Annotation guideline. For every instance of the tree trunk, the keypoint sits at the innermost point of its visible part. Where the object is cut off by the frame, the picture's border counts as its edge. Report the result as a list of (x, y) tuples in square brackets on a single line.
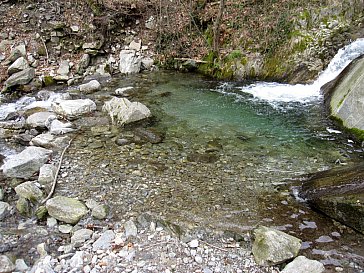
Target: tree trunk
[(217, 24)]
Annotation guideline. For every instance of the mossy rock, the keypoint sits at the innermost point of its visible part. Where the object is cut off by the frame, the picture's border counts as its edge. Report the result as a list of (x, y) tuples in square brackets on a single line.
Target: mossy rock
[(48, 80)]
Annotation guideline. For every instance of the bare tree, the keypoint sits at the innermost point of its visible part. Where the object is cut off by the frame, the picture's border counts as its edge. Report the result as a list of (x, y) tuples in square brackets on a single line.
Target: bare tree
[(217, 25)]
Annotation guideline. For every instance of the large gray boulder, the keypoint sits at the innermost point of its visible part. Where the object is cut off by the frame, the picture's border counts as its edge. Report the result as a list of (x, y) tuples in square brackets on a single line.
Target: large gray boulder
[(19, 65), (122, 111), (26, 163), (20, 78), (272, 247), (130, 62), (68, 210), (303, 265), (344, 97), (28, 190), (72, 109), (338, 193)]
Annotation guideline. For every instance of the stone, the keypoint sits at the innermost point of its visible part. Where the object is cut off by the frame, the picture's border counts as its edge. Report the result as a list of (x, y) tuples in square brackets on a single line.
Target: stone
[(64, 68), (20, 78), (83, 63), (58, 127), (129, 62), (123, 90), (90, 87), (344, 96), (122, 111), (16, 53), (5, 210), (72, 109), (6, 265), (130, 229), (100, 212), (51, 222), (272, 247), (20, 265), (29, 191), (22, 205), (147, 63), (93, 45), (80, 236), (75, 28), (135, 45), (65, 229), (19, 65), (338, 193), (303, 265), (26, 163), (40, 119), (76, 262), (41, 212), (150, 23), (105, 241), (49, 141), (68, 210), (193, 243), (43, 265), (47, 174), (148, 135)]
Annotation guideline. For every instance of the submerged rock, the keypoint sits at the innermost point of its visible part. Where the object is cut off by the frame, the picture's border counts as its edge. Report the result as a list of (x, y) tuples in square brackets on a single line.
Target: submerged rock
[(303, 265), (66, 209), (272, 247), (122, 111), (26, 163), (338, 193)]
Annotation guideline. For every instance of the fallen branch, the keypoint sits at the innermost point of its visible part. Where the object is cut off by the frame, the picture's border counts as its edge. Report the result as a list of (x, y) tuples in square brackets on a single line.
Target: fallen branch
[(188, 59), (57, 172), (210, 245), (46, 50)]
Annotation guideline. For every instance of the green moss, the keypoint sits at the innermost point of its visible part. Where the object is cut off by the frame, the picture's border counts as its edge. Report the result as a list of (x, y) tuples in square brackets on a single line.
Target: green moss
[(355, 132), (48, 80), (235, 54)]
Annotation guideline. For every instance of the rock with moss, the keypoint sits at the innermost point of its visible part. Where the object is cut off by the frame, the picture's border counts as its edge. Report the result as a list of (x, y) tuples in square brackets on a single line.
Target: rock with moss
[(68, 210), (100, 212), (41, 213), (23, 207), (272, 247), (29, 191)]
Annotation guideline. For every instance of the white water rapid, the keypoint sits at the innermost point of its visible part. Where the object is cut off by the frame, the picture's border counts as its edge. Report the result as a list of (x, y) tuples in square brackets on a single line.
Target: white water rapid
[(275, 93)]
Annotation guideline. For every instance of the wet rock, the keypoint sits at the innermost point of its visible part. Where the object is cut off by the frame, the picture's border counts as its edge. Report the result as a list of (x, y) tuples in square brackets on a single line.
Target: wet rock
[(202, 158), (90, 87), (129, 62), (148, 135), (72, 109), (122, 141), (147, 63), (66, 209), (105, 241), (20, 78), (5, 210), (26, 163), (19, 65), (123, 111), (273, 247), (122, 91), (80, 236), (303, 265), (6, 265), (338, 193), (29, 191), (20, 265), (40, 119), (100, 212)]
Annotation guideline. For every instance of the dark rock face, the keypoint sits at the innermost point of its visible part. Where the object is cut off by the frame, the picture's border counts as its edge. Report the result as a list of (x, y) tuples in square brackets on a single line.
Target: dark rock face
[(338, 193)]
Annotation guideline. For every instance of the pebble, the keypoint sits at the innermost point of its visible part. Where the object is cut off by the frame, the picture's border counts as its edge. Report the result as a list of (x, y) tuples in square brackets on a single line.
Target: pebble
[(193, 243), (65, 229)]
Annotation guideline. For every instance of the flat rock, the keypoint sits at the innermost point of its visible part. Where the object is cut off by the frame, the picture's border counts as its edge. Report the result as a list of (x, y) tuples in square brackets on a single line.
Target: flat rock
[(57, 127), (272, 247), (26, 163), (16, 53), (64, 68), (100, 212), (20, 78), (40, 119), (50, 141), (6, 265), (29, 191), (68, 210), (80, 236), (105, 241), (303, 265), (123, 111), (72, 109), (90, 87), (47, 174), (19, 65), (130, 229)]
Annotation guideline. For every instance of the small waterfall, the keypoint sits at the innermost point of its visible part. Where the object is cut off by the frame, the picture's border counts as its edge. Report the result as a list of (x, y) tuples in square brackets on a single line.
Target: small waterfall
[(275, 93)]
